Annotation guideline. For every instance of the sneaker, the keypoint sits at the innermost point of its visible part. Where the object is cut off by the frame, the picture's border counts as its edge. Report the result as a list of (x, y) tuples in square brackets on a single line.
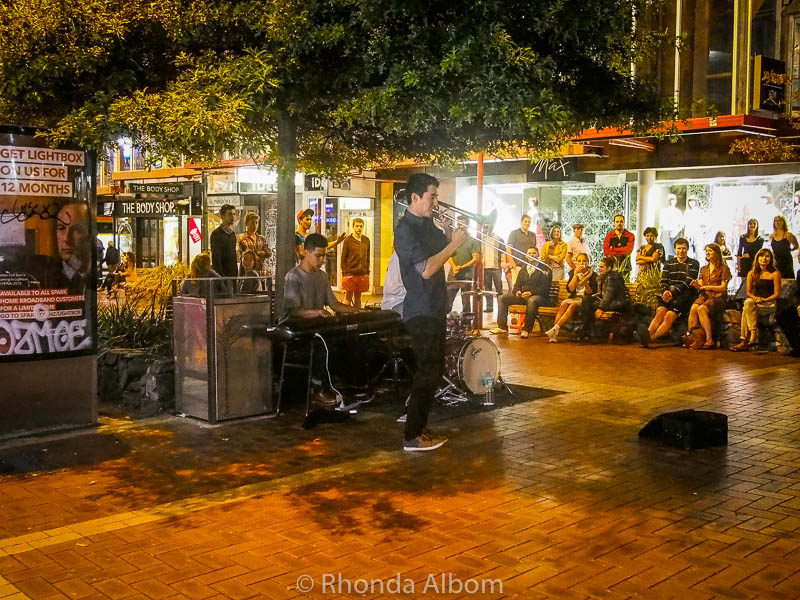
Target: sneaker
[(401, 418), (551, 333), (423, 443), (553, 340), (523, 334), (498, 331)]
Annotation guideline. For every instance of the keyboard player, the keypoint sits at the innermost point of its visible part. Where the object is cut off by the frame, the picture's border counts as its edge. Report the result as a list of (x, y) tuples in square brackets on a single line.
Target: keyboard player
[(306, 294)]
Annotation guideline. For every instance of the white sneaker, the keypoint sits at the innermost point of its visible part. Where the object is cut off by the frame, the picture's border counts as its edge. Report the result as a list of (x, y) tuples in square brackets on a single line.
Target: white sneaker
[(550, 332), (523, 334), (401, 419), (498, 331), (553, 340)]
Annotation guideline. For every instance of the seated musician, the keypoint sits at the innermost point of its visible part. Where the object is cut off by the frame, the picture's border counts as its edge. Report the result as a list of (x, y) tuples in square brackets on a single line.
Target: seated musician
[(531, 290), (306, 294)]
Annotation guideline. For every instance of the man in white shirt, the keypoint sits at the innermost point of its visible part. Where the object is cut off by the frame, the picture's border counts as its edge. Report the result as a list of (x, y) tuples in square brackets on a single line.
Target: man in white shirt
[(576, 245), (394, 292), (492, 266), (671, 221)]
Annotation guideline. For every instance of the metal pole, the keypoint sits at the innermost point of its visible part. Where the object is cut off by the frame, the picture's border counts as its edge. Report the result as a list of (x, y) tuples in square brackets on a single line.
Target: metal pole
[(477, 283)]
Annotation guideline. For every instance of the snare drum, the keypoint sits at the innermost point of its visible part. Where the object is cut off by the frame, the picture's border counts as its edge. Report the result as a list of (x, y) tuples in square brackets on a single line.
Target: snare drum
[(469, 361)]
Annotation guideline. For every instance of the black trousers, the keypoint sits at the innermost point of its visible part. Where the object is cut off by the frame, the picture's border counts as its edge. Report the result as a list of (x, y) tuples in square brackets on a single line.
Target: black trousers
[(789, 322), (428, 344)]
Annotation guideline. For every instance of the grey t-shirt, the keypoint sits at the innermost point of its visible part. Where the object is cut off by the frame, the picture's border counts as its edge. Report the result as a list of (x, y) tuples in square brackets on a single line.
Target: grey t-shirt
[(306, 291)]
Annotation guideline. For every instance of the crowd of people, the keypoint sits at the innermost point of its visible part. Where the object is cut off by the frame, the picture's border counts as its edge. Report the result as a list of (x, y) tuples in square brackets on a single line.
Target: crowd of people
[(685, 293), (433, 262)]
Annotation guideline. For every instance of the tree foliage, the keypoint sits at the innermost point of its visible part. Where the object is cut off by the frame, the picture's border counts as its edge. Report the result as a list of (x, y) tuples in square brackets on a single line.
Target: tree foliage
[(363, 81)]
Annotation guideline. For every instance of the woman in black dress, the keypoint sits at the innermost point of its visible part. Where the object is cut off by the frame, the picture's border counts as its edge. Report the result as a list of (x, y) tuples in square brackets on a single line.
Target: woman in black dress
[(749, 244), (783, 243)]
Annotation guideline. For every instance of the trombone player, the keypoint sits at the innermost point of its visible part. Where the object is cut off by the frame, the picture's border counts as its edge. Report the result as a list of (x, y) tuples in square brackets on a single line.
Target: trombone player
[(422, 250)]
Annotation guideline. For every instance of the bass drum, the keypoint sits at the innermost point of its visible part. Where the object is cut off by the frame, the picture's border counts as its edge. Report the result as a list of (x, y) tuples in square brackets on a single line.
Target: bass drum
[(469, 361)]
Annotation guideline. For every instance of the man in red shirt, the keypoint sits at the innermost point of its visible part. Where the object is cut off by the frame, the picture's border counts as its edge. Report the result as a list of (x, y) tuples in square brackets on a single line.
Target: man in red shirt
[(619, 245)]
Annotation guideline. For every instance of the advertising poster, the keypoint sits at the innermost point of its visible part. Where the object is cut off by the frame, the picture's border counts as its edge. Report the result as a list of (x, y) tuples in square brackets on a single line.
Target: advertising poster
[(47, 287)]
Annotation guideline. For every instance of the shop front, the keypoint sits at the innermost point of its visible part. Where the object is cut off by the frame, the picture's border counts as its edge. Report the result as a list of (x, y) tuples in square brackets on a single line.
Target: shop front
[(336, 204), (249, 189), (160, 223)]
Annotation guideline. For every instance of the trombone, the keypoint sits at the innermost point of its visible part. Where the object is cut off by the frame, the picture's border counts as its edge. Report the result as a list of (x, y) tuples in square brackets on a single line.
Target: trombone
[(475, 233)]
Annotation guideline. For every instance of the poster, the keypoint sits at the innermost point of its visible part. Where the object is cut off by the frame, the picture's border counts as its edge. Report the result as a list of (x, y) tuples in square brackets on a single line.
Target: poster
[(47, 285)]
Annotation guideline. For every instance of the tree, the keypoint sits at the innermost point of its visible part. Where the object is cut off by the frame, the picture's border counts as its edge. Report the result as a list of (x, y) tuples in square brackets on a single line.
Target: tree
[(326, 85)]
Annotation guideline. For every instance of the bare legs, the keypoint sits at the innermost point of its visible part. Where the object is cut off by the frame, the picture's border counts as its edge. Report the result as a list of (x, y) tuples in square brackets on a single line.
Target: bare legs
[(662, 322), (698, 315)]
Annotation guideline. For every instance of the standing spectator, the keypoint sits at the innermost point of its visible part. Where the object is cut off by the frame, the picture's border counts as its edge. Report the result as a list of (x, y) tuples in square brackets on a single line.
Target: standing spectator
[(619, 245), (304, 220), (462, 267), (671, 222), (355, 264), (492, 265), (520, 240), (677, 293), (394, 292), (693, 230), (532, 290), (112, 257), (713, 287), (576, 245), (783, 243), (651, 254), (223, 243), (554, 251), (252, 240), (100, 257), (719, 240), (248, 276), (582, 282), (749, 244), (763, 289)]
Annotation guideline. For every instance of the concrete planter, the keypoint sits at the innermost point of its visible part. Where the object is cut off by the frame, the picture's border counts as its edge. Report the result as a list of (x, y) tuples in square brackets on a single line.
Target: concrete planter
[(139, 383)]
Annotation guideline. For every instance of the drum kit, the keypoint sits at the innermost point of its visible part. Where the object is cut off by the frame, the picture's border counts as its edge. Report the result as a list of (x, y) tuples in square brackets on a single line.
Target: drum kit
[(471, 365)]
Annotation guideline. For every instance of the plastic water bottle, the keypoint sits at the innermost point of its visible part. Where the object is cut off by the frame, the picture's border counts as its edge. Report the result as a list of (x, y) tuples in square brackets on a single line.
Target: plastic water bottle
[(488, 383)]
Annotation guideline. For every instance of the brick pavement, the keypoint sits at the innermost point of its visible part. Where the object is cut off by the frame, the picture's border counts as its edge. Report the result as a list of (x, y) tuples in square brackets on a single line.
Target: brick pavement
[(555, 498)]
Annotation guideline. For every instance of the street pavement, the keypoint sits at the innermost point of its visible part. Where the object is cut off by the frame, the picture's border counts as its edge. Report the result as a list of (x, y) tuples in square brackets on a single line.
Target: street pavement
[(555, 498)]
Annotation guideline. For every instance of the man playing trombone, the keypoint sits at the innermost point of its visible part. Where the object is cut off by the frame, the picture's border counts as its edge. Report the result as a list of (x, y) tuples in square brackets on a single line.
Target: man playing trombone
[(422, 250)]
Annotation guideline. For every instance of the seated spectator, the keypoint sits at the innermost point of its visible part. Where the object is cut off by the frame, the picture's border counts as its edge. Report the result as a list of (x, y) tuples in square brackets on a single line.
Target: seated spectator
[(763, 289), (249, 283), (651, 255), (612, 295), (201, 269), (532, 289), (677, 294), (788, 313), (713, 287), (582, 282), (125, 275)]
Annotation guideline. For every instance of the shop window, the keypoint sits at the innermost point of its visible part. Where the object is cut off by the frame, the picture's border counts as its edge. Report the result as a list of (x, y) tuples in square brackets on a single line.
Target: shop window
[(719, 64), (765, 28), (795, 64)]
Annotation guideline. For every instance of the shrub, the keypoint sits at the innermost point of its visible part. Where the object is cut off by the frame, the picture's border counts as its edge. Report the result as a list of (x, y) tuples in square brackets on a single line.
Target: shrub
[(142, 321)]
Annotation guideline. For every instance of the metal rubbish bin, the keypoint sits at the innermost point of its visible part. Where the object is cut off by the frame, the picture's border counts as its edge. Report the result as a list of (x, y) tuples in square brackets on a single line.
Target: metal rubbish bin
[(222, 370)]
